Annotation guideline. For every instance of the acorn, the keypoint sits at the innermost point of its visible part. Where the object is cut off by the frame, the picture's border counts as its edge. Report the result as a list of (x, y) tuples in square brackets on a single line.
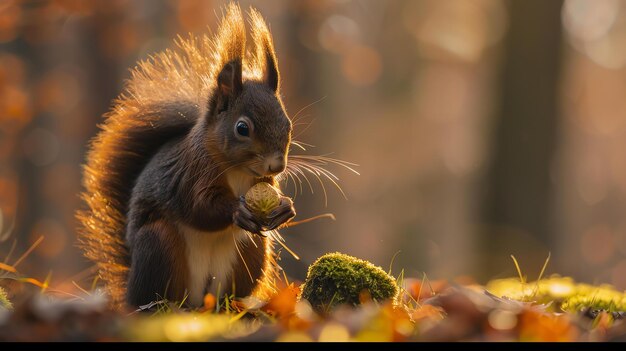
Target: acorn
[(262, 199)]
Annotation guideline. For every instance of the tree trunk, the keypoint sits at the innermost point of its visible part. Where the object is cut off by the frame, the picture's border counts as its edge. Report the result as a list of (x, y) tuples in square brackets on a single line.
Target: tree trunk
[(516, 208)]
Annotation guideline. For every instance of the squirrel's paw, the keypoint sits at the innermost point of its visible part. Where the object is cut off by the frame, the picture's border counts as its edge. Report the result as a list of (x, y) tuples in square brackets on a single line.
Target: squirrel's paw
[(282, 214), (245, 218), (248, 220)]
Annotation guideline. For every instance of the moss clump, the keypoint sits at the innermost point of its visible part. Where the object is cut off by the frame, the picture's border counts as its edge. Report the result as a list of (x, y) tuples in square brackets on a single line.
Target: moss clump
[(562, 293), (4, 300), (337, 279)]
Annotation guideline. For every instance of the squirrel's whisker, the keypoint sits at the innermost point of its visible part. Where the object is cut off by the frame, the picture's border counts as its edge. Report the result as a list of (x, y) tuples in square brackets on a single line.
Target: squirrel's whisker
[(295, 118), (299, 145), (324, 159), (315, 173), (329, 175), (296, 169), (304, 129), (314, 165), (295, 174), (295, 185)]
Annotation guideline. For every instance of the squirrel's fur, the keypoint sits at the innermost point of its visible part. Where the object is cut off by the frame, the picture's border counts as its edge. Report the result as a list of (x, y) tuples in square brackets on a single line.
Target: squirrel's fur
[(134, 130)]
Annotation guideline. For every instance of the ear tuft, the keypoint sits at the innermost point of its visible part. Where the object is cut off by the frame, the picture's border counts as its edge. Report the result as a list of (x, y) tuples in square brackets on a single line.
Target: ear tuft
[(229, 82), (228, 48), (265, 56)]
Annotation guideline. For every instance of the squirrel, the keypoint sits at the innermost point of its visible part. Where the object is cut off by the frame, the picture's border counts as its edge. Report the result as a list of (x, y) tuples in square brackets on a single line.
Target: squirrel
[(194, 129)]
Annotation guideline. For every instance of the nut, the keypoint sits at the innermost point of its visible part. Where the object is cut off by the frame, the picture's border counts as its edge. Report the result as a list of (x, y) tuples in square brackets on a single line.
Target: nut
[(263, 198)]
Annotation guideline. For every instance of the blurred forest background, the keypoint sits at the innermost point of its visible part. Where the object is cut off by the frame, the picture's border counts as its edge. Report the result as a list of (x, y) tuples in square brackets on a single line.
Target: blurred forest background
[(482, 128)]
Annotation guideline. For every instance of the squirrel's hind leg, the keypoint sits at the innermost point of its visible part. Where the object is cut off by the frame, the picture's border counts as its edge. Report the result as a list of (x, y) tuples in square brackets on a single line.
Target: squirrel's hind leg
[(158, 268)]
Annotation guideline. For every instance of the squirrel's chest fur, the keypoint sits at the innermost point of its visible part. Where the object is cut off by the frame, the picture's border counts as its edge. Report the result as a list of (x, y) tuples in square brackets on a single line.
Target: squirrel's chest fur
[(211, 256)]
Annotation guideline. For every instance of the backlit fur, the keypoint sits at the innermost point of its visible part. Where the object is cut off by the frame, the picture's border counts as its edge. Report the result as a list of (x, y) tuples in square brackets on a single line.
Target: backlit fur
[(167, 97)]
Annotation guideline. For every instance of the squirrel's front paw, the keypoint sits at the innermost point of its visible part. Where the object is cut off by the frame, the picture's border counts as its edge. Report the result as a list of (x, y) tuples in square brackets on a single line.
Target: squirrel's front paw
[(245, 218), (282, 214)]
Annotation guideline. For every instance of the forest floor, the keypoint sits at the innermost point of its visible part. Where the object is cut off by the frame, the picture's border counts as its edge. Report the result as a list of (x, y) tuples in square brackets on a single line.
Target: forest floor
[(550, 309)]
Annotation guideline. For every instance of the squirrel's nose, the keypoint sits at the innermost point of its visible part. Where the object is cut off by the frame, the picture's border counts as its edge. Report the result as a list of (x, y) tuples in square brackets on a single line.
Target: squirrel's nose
[(275, 164)]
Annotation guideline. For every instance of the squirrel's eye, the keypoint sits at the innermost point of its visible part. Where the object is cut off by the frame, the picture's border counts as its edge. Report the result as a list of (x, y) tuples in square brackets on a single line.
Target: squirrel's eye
[(242, 129)]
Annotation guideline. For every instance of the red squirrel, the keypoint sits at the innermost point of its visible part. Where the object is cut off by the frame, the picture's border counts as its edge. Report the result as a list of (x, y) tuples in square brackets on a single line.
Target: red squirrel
[(195, 128)]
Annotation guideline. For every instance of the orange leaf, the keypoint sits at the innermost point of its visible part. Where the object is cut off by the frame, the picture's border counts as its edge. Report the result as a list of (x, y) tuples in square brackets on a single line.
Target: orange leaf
[(284, 302), (539, 326), (209, 301)]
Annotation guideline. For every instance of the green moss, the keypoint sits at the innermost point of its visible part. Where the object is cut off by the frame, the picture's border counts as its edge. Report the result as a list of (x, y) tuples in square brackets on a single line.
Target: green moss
[(4, 300), (602, 297), (562, 293), (337, 279)]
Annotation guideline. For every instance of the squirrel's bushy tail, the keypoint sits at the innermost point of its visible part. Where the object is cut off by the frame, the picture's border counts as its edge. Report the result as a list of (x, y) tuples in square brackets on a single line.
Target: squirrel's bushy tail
[(161, 101), (117, 156)]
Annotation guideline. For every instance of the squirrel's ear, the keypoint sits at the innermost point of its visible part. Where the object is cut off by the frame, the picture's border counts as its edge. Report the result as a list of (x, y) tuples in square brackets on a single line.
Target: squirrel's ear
[(229, 84), (271, 76)]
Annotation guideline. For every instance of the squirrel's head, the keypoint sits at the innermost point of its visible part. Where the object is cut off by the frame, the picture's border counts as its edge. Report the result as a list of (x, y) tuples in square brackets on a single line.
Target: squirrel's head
[(248, 120), (248, 126)]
